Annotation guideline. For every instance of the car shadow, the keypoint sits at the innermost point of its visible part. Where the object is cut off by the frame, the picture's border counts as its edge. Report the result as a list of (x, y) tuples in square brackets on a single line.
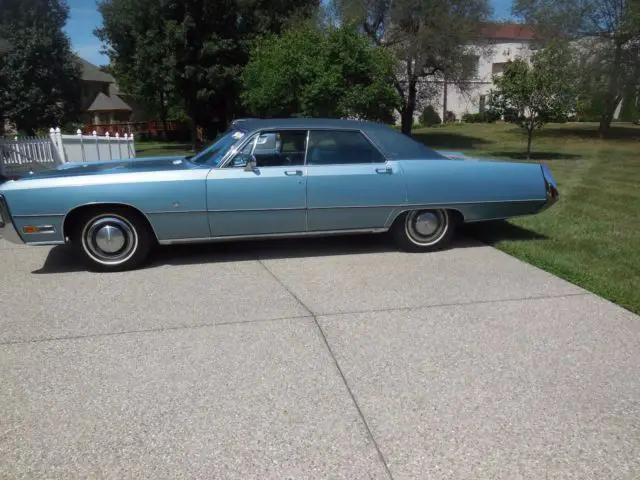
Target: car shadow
[(62, 259), (496, 231)]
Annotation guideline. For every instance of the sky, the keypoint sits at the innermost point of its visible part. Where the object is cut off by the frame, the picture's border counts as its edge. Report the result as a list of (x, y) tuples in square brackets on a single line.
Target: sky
[(84, 18)]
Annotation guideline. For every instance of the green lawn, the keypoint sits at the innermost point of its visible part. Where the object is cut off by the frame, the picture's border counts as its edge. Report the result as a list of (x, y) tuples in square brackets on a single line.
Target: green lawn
[(591, 237), (154, 149)]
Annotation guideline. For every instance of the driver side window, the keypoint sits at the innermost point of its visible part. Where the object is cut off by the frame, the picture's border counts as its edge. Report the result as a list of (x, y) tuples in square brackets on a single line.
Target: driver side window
[(282, 148)]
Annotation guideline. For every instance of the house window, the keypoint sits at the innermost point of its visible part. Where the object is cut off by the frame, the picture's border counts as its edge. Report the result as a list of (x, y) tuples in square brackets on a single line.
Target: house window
[(498, 68), (475, 66)]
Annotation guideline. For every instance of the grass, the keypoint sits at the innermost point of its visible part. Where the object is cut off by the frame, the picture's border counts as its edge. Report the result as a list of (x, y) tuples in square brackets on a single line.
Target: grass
[(157, 149), (591, 237)]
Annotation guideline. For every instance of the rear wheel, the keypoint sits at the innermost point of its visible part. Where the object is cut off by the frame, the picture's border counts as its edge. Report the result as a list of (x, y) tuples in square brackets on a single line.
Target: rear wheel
[(424, 230), (113, 240)]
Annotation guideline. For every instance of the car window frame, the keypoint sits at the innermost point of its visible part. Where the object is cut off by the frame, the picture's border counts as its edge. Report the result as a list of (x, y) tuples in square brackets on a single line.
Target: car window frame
[(252, 136), (384, 158)]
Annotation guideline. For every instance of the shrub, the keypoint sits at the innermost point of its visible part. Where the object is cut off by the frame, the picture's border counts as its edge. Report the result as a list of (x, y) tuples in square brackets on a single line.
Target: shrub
[(450, 117), (430, 117), (489, 116)]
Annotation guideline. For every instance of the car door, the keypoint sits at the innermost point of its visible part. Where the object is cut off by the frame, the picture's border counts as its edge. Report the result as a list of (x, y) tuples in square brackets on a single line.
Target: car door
[(268, 199), (350, 184)]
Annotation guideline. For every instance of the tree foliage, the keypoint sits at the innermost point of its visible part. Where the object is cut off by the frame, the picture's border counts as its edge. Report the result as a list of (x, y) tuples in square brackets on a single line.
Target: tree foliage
[(607, 34), (39, 75), (427, 37), (308, 71), (537, 93), (192, 50)]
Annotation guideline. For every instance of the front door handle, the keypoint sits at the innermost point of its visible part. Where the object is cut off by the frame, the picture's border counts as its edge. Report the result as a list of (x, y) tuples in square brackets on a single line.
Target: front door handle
[(383, 171), (291, 173)]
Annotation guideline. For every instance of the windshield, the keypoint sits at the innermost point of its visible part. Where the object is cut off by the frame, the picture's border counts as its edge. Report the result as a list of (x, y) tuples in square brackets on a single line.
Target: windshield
[(215, 152)]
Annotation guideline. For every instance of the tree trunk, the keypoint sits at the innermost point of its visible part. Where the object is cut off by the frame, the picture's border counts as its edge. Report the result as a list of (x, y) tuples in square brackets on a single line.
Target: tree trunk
[(409, 107), (444, 102), (612, 96), (193, 127), (607, 116), (529, 140), (163, 115)]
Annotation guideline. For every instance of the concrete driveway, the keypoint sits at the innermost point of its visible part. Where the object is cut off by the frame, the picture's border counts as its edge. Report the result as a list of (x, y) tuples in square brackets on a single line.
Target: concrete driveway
[(333, 358)]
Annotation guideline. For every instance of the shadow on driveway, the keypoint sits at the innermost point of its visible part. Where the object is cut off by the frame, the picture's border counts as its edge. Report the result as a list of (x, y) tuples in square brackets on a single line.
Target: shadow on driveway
[(61, 259)]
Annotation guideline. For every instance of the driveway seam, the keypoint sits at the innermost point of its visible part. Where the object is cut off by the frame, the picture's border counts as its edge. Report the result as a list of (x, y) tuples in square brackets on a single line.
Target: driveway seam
[(457, 304), (152, 330), (311, 314), (338, 368)]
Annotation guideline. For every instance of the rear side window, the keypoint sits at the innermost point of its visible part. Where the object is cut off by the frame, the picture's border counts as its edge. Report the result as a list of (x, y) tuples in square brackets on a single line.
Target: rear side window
[(340, 147)]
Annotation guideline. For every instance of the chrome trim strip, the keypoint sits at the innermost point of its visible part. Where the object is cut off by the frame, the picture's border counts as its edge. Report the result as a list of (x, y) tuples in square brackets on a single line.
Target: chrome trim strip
[(317, 233), (7, 228), (52, 215), (241, 210), (45, 244), (176, 211)]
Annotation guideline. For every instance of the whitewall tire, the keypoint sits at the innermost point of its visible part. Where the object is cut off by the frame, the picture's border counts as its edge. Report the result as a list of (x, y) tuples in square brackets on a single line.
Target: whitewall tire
[(113, 240), (424, 230)]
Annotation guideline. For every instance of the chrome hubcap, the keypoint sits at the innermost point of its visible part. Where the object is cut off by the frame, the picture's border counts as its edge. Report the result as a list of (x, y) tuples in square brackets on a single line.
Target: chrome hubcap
[(110, 240), (426, 223), (427, 227)]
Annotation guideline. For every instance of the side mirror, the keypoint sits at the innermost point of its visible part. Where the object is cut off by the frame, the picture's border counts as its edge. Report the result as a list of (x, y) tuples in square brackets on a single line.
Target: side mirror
[(250, 165), (245, 161)]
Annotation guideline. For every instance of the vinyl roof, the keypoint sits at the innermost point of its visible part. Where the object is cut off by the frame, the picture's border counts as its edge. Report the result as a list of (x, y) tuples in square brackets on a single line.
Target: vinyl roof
[(394, 144)]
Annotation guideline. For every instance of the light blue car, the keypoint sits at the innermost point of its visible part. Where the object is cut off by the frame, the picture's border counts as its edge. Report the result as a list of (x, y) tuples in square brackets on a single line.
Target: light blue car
[(264, 179)]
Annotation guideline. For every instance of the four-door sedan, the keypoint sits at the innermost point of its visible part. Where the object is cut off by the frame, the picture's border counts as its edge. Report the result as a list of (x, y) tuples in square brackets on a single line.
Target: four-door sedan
[(265, 179)]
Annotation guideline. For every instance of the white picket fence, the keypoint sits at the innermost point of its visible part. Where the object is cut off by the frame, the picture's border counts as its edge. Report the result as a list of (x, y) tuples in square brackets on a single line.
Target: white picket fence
[(21, 155)]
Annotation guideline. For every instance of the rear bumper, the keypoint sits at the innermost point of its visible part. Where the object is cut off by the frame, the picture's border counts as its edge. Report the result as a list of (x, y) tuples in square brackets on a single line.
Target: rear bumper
[(551, 186), (7, 228)]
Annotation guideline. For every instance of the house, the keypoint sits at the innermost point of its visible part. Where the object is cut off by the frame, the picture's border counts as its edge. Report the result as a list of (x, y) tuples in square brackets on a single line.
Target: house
[(100, 100), (496, 45)]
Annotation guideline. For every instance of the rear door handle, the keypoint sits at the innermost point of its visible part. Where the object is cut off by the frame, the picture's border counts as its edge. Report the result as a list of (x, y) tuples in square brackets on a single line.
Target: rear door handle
[(383, 171), (291, 173)]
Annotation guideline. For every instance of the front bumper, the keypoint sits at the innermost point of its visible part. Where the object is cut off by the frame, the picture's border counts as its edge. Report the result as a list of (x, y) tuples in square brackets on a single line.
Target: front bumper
[(7, 228)]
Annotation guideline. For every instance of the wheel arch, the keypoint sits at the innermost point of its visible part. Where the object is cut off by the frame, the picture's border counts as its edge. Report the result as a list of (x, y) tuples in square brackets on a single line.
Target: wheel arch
[(75, 214)]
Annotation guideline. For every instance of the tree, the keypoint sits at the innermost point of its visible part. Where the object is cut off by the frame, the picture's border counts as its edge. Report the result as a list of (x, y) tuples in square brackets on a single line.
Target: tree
[(427, 37), (308, 71), (607, 33), (537, 93), (39, 75), (192, 50), (139, 48)]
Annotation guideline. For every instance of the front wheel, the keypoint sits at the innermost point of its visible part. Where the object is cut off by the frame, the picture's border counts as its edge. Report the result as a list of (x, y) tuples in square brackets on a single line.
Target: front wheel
[(113, 241), (423, 230)]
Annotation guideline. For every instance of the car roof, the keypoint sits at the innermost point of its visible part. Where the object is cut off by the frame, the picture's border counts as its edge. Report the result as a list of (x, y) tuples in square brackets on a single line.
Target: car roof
[(394, 144), (302, 122)]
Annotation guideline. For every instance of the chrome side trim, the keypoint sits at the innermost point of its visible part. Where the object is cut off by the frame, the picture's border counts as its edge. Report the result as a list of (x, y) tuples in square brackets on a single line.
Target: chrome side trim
[(241, 210), (46, 244), (7, 228), (318, 233), (52, 215), (167, 212)]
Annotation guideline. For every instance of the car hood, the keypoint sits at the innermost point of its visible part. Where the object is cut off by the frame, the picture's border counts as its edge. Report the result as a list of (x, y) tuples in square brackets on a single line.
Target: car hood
[(149, 164)]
